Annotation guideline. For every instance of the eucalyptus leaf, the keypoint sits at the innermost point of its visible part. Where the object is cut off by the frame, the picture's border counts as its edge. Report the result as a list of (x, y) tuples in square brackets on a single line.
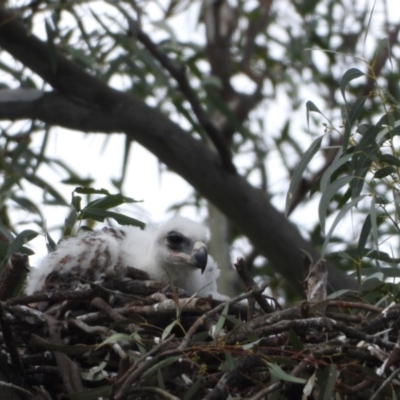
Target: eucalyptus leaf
[(348, 76), (280, 374), (19, 241), (298, 172)]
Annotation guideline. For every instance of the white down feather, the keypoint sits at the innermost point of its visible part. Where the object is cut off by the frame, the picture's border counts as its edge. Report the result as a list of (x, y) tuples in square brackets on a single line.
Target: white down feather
[(110, 250)]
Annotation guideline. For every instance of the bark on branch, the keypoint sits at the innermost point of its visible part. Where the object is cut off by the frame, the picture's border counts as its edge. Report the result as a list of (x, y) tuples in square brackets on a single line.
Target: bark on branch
[(82, 102)]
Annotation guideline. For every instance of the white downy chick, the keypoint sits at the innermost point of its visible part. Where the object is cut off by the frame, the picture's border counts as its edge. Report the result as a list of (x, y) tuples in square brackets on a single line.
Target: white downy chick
[(172, 252)]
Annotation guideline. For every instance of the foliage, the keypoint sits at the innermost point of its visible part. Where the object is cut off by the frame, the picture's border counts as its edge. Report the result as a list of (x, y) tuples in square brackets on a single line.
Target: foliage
[(232, 83), (363, 179)]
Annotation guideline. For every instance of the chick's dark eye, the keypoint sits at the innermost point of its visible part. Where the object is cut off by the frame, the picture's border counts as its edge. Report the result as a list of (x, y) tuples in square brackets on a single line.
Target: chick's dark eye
[(175, 239)]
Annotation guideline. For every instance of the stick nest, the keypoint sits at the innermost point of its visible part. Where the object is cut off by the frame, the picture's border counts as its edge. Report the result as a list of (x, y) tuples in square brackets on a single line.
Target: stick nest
[(140, 339)]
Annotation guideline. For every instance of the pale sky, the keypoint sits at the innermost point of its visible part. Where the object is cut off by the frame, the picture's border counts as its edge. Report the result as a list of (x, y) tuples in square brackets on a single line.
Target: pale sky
[(90, 157)]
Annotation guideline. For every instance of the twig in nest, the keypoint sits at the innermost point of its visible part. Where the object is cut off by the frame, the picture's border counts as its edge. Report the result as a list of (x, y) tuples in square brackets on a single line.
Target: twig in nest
[(250, 285), (19, 389), (68, 369), (200, 321), (154, 390), (16, 267), (387, 381), (135, 371), (11, 345), (269, 389)]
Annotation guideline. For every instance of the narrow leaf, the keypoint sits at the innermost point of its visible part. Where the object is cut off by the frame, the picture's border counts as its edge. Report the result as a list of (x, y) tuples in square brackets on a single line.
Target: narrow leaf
[(355, 111), (20, 240), (338, 218), (337, 163), (389, 159), (280, 374), (365, 231), (298, 172), (109, 201), (348, 76), (385, 171), (327, 196), (311, 107), (100, 215)]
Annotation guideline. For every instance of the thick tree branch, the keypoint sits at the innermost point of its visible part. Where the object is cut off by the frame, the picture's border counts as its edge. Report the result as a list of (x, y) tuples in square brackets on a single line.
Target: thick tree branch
[(179, 74), (87, 104)]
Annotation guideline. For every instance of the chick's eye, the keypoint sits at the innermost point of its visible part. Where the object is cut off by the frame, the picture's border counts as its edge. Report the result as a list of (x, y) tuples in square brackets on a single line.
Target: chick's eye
[(175, 239)]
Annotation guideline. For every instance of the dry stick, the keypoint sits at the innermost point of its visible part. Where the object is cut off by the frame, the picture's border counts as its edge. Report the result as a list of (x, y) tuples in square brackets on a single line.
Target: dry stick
[(24, 392), (54, 297), (178, 73), (68, 369), (200, 321), (129, 377), (156, 391), (386, 382), (10, 343), (12, 273), (269, 389), (100, 304), (249, 283), (360, 306)]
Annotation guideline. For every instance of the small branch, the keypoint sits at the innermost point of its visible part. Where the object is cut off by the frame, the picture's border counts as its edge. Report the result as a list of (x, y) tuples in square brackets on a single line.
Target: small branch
[(137, 370), (11, 345), (68, 369), (269, 389), (249, 284), (200, 321), (157, 391), (393, 375), (19, 389), (178, 73)]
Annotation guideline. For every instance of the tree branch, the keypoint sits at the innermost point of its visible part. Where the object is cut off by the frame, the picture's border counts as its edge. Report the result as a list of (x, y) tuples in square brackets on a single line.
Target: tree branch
[(179, 74), (87, 104)]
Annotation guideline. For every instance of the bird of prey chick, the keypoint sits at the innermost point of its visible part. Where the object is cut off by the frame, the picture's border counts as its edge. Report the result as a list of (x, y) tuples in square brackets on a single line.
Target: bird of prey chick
[(172, 252)]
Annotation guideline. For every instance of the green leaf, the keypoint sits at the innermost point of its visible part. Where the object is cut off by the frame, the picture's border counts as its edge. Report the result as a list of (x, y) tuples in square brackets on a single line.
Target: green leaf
[(20, 240), (116, 338), (4, 250), (374, 224), (327, 382), (337, 163), (349, 75), (194, 388), (311, 107), (162, 364), (338, 218), (109, 201), (298, 172), (221, 320), (282, 375), (295, 341), (389, 159), (364, 234), (88, 190), (168, 329), (99, 215), (385, 171), (327, 196), (396, 197), (352, 117)]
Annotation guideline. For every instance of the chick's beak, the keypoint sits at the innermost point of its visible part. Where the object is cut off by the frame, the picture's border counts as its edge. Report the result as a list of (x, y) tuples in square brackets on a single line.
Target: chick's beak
[(199, 256)]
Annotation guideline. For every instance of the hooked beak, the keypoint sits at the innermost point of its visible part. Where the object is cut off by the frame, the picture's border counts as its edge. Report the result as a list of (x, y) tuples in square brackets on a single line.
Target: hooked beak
[(199, 256)]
